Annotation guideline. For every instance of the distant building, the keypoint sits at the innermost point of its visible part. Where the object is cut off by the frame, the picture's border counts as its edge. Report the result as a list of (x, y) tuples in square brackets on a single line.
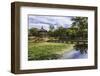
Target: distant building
[(42, 32)]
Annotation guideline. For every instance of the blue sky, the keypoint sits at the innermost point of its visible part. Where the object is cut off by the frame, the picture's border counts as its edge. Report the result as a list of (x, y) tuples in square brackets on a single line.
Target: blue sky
[(38, 21)]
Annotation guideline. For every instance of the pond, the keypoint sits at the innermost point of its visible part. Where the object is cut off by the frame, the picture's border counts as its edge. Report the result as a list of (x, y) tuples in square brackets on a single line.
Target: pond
[(74, 54)]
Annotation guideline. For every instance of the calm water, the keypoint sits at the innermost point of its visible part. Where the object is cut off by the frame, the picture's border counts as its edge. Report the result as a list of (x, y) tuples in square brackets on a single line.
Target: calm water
[(73, 54)]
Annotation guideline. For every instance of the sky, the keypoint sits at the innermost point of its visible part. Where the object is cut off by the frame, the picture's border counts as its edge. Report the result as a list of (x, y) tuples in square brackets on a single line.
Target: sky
[(38, 21)]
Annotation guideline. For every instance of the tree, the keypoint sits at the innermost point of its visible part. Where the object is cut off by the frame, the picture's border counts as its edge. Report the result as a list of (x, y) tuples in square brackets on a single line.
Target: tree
[(51, 27), (71, 33), (60, 33), (33, 31), (51, 31), (81, 23)]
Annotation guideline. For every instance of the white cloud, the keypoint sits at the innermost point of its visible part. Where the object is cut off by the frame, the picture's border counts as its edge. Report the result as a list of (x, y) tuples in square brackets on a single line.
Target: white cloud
[(46, 21)]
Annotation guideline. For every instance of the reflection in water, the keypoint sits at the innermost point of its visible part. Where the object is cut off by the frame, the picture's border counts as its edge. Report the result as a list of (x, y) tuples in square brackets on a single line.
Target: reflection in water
[(73, 54), (81, 47), (79, 52)]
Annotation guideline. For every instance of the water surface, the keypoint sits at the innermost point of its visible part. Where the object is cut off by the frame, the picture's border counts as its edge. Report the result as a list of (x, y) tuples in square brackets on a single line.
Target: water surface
[(73, 54)]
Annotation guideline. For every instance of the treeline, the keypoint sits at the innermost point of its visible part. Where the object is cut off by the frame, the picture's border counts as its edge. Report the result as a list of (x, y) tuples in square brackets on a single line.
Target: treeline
[(78, 30)]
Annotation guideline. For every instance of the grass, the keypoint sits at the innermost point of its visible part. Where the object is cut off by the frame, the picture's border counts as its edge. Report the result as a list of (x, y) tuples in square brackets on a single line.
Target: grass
[(46, 50)]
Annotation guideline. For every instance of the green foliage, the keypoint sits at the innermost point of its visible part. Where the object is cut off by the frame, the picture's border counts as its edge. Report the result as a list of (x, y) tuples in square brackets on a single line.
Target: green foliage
[(51, 33), (81, 23), (78, 29), (60, 32), (33, 31), (51, 27)]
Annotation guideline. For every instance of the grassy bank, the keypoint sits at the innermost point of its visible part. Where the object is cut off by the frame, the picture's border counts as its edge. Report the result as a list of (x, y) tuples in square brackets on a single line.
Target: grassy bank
[(46, 50)]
